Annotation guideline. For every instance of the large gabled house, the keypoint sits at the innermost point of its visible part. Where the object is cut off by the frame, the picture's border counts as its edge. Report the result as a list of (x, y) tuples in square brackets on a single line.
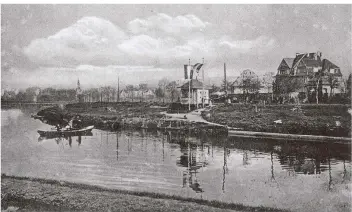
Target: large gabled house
[(302, 73)]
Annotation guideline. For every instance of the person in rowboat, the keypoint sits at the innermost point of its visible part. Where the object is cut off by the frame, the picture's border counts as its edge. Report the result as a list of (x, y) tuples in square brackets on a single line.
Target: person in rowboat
[(74, 123), (77, 122)]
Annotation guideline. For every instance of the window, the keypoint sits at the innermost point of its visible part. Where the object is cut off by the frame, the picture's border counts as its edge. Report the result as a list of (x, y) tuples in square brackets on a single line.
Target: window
[(184, 93)]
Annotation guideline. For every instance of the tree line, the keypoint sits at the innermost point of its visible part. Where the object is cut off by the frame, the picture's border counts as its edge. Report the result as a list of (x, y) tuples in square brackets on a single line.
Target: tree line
[(165, 91)]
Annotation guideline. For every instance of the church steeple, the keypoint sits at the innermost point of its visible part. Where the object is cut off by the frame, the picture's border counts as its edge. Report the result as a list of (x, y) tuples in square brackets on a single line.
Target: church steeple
[(79, 92), (78, 85)]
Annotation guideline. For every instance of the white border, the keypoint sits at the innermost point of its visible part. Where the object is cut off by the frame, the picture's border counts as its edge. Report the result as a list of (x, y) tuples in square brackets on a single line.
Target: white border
[(175, 2)]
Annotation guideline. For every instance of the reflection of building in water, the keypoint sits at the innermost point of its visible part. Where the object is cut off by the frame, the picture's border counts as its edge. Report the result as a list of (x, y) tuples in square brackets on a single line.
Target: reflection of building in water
[(192, 157), (117, 146), (296, 161), (296, 158), (225, 169)]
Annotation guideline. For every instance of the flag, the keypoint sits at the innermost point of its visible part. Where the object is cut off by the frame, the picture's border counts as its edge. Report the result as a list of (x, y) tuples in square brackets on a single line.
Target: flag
[(197, 67), (188, 72)]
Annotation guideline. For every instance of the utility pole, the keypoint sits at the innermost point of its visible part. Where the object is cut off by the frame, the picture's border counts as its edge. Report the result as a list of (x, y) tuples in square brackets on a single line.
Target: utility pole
[(118, 88), (189, 85), (203, 99), (225, 81)]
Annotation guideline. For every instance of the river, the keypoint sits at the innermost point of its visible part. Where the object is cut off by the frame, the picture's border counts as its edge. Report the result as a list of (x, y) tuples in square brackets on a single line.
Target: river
[(255, 172)]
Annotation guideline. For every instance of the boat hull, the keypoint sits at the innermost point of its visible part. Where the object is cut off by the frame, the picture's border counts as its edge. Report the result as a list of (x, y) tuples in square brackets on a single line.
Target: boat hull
[(66, 133)]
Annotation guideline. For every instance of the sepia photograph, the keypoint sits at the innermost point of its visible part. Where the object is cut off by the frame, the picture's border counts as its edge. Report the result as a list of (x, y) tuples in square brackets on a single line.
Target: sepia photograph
[(176, 107)]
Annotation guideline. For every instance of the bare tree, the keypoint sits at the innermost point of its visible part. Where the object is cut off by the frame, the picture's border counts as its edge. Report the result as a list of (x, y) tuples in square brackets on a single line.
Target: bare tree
[(249, 83), (159, 93), (162, 84), (143, 87), (172, 89), (333, 83), (348, 86), (268, 80), (130, 89), (317, 81), (283, 85)]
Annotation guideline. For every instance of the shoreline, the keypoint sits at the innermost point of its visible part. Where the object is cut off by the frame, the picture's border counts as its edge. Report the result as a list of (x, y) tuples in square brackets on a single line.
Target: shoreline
[(304, 121), (147, 116), (294, 137), (62, 195)]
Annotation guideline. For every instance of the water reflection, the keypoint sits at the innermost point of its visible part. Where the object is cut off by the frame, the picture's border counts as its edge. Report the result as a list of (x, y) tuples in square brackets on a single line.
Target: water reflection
[(191, 158), (117, 147), (60, 139), (225, 169), (242, 170)]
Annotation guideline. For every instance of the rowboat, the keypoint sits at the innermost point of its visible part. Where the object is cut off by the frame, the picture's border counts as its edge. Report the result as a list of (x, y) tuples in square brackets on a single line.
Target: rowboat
[(66, 133)]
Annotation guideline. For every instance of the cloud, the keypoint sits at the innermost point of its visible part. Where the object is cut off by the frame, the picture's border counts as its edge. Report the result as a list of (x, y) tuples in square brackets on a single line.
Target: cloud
[(165, 23), (89, 37), (96, 41), (322, 27), (261, 44)]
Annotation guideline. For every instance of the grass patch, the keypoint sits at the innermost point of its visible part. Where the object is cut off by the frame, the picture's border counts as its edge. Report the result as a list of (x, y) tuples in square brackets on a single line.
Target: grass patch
[(310, 120), (79, 186)]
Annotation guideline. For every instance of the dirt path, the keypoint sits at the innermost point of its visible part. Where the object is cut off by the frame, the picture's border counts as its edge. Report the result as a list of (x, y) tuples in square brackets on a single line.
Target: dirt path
[(194, 116)]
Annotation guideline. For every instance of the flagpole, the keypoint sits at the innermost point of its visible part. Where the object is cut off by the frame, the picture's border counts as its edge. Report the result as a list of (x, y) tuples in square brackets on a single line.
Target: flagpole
[(189, 86), (203, 83), (118, 88)]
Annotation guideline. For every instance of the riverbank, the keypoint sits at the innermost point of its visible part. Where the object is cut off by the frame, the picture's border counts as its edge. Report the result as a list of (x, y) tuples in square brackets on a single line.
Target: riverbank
[(137, 115), (31, 194), (322, 120)]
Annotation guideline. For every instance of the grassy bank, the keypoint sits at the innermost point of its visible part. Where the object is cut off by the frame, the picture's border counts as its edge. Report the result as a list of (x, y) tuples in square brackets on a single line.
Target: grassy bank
[(51, 195), (306, 120), (114, 116), (118, 109)]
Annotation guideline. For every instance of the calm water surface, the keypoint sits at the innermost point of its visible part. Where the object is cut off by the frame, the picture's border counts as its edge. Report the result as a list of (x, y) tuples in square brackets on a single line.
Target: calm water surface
[(295, 176)]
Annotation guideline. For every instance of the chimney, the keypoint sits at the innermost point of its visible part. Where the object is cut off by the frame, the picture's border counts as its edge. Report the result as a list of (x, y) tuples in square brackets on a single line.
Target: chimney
[(319, 54), (315, 56)]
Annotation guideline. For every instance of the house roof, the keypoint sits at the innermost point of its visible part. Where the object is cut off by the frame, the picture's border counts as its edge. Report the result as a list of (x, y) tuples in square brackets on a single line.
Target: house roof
[(289, 61), (306, 61), (298, 59), (246, 74), (312, 62), (328, 65), (195, 84), (236, 82)]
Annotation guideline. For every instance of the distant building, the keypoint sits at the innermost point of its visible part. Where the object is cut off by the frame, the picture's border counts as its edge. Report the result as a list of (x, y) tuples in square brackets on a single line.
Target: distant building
[(137, 95), (249, 87), (197, 95), (239, 85), (124, 95)]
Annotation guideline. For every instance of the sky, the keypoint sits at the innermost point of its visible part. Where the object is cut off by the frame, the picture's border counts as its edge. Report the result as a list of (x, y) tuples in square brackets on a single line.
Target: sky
[(55, 45)]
